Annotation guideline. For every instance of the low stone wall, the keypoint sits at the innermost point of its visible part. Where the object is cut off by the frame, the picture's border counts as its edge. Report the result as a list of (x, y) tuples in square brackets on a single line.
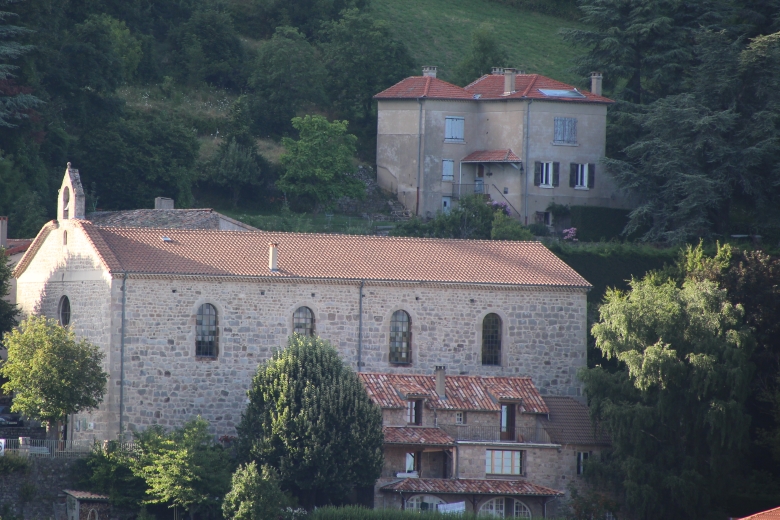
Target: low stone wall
[(34, 493)]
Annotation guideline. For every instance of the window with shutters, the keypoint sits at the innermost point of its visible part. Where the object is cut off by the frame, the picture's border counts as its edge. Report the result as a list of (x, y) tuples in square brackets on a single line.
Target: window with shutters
[(454, 129), (546, 174), (582, 176), (565, 130), (447, 170)]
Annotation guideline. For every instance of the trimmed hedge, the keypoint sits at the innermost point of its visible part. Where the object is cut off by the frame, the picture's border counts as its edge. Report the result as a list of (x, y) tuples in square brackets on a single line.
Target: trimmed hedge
[(595, 223)]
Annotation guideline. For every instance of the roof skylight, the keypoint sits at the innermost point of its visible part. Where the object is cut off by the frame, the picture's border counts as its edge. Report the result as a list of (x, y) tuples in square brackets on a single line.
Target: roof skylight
[(561, 93)]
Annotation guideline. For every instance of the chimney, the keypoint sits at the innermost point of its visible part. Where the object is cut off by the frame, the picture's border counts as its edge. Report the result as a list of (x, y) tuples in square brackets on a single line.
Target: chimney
[(497, 71), (163, 203), (273, 263), (509, 81), (595, 83), (3, 231), (440, 371), (429, 71)]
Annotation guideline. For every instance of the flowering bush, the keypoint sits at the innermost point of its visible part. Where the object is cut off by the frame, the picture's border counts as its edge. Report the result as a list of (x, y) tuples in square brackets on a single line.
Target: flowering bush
[(500, 206), (570, 234)]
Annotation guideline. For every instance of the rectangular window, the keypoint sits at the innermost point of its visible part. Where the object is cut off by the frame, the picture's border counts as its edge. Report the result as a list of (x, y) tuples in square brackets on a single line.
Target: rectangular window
[(582, 456), (503, 462), (565, 130), (460, 417), (582, 176), (547, 174), (543, 217), (413, 461), (447, 170), (454, 129), (414, 412)]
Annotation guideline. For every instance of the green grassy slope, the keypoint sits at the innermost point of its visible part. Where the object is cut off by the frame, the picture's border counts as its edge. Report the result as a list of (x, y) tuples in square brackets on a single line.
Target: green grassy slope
[(438, 32)]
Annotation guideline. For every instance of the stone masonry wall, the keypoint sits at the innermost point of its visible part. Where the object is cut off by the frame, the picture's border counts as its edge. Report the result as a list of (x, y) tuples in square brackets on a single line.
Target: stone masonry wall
[(46, 478), (543, 337)]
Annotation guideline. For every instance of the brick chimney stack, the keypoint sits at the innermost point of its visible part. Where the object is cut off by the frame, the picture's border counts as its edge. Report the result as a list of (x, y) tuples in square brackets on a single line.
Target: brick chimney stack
[(429, 71), (595, 83), (273, 259), (510, 75), (440, 372)]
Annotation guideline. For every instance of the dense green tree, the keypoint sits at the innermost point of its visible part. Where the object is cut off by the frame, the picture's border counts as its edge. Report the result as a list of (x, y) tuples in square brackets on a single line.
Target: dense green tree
[(674, 406), (471, 218), (254, 494), (110, 471), (505, 227), (287, 74), (15, 102), (485, 53), (319, 166), (137, 158), (8, 312), (310, 418), (236, 167), (50, 373), (183, 468), (260, 18)]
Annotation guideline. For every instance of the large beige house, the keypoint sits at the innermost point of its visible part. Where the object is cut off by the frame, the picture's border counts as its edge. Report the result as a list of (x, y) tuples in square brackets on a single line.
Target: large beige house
[(524, 140), (184, 316)]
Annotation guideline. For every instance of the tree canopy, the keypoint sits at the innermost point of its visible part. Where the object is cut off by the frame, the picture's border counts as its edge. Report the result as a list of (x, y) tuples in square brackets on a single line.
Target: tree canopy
[(484, 54), (254, 494), (8, 312), (50, 373), (310, 418)]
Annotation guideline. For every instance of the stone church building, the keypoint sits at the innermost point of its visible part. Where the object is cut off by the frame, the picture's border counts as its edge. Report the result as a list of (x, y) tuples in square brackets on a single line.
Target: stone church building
[(185, 316)]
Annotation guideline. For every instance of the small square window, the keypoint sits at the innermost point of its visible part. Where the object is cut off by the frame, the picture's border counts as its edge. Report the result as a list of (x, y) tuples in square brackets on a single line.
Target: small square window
[(454, 129), (447, 170), (460, 417), (565, 130)]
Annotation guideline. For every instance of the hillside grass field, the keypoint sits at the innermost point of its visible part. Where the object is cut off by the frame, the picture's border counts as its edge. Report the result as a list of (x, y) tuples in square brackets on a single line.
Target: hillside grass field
[(438, 32)]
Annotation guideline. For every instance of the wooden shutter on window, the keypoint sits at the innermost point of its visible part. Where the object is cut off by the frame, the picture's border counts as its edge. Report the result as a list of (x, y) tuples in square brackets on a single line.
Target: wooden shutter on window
[(573, 175), (460, 130), (537, 173), (448, 128), (591, 175), (556, 174)]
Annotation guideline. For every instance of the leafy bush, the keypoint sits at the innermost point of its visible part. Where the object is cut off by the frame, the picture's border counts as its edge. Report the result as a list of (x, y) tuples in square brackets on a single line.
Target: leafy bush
[(254, 495), (471, 218), (360, 513), (595, 223), (539, 230), (507, 228), (110, 472), (12, 463)]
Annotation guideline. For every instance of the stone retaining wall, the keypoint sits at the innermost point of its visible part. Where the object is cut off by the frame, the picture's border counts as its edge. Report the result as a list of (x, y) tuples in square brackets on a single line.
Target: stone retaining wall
[(42, 484)]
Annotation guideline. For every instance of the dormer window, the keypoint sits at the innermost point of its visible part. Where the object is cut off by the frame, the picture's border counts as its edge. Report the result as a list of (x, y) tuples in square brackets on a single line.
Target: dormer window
[(414, 408)]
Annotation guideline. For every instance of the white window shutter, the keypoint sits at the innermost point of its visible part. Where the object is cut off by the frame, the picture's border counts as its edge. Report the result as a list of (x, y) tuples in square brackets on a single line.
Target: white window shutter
[(448, 128), (460, 129)]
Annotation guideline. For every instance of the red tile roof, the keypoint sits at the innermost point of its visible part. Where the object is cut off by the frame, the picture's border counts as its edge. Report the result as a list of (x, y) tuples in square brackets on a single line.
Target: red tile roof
[(416, 87), (482, 156), (17, 245), (569, 423), (86, 495), (462, 392), (320, 256), (527, 86), (471, 486), (417, 435), (770, 514)]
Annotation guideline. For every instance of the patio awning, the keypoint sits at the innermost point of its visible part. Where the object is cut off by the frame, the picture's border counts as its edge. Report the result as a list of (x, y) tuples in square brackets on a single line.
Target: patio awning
[(492, 156)]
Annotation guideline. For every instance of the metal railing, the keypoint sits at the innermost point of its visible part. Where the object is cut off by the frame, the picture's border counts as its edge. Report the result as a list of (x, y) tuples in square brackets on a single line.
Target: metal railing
[(522, 434), (47, 448), (461, 190)]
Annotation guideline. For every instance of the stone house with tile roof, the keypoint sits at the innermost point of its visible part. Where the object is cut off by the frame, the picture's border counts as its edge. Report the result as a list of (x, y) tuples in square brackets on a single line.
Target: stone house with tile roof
[(493, 443), (185, 316), (522, 139)]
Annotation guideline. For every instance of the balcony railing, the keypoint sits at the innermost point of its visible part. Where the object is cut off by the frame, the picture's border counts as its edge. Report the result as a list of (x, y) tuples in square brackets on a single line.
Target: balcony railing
[(525, 434), (461, 190)]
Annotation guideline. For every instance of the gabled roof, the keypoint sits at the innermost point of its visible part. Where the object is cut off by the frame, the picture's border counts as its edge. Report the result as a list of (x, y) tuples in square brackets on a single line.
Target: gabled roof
[(86, 495), (497, 156), (529, 86), (321, 256), (17, 245), (770, 514), (475, 393), (417, 435), (471, 486), (204, 218), (416, 87), (569, 423)]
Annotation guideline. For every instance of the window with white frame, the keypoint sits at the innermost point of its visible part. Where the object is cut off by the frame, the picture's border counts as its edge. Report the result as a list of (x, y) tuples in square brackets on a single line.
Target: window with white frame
[(504, 507), (460, 417), (546, 174), (414, 409), (503, 462), (565, 130), (447, 170), (413, 461), (454, 129), (582, 456), (582, 176)]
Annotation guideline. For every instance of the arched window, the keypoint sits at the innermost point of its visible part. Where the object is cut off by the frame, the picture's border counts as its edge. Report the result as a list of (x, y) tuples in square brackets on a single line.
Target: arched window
[(64, 311), (400, 338), (65, 202), (491, 340), (424, 503), (206, 332), (303, 321), (64, 238), (503, 507)]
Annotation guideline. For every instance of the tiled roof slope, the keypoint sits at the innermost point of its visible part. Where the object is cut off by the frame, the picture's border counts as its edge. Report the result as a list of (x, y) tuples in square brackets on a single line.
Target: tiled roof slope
[(462, 392), (491, 86), (204, 218), (423, 87), (416, 435), (86, 495), (348, 257), (492, 156), (770, 514), (569, 422), (471, 486), (17, 245)]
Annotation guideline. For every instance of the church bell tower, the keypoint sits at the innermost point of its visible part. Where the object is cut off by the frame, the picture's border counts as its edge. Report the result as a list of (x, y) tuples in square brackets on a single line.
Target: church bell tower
[(71, 202)]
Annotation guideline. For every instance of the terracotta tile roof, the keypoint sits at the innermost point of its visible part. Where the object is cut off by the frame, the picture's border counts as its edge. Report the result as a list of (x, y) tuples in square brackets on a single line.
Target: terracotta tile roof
[(569, 422), (424, 87), (471, 486), (86, 495), (527, 86), (482, 156), (770, 514), (417, 435), (17, 245), (204, 218), (462, 392), (338, 257)]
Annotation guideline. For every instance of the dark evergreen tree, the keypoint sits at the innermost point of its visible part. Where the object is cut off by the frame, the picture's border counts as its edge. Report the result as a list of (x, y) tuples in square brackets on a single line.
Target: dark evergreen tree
[(485, 53), (15, 101), (8, 312), (310, 418)]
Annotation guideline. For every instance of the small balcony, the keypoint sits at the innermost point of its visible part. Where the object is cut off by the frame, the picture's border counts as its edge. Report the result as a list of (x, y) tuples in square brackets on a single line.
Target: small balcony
[(520, 434), (462, 190)]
